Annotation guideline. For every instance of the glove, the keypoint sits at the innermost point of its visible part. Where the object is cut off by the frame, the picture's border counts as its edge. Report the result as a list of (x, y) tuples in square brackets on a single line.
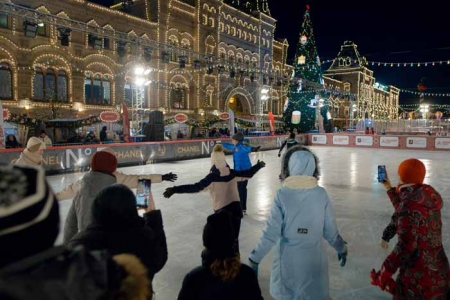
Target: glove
[(256, 149), (169, 192), (384, 244), (343, 258), (170, 177), (261, 164), (254, 266), (279, 154)]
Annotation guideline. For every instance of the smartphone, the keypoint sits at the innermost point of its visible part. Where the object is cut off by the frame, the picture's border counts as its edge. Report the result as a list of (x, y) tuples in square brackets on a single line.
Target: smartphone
[(382, 175), (143, 193)]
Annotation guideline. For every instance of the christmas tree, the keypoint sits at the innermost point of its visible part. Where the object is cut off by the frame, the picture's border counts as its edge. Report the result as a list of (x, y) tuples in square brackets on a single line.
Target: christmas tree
[(300, 111)]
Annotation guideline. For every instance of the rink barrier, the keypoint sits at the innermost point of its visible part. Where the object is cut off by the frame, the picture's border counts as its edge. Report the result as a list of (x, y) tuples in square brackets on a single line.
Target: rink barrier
[(404, 142), (69, 159)]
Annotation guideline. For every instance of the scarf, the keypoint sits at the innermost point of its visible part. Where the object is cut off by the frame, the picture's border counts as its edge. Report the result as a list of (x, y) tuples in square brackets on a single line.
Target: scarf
[(31, 158), (300, 182)]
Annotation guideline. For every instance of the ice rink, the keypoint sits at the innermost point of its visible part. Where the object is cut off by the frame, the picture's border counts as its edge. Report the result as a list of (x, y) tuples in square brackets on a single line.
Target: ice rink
[(361, 206)]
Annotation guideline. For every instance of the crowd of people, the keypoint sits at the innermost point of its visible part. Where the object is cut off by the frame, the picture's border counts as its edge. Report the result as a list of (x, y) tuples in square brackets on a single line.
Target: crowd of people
[(112, 252)]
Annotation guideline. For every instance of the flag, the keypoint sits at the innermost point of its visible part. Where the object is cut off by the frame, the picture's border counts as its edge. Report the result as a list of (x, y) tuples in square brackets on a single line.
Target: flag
[(231, 122), (271, 123), (126, 124), (2, 133)]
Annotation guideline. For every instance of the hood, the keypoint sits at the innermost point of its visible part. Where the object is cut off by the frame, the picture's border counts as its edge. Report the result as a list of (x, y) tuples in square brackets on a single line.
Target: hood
[(299, 161), (115, 207)]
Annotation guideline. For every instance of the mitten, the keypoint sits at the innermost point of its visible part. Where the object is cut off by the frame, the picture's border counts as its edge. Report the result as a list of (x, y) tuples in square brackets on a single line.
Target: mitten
[(169, 192)]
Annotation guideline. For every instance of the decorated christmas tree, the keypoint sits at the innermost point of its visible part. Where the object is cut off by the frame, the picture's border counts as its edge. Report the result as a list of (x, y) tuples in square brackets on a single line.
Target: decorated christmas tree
[(300, 111)]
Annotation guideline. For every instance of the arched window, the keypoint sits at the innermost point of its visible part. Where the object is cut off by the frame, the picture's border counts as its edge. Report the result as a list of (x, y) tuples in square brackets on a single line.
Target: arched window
[(177, 98), (5, 81), (97, 89), (4, 22), (50, 84)]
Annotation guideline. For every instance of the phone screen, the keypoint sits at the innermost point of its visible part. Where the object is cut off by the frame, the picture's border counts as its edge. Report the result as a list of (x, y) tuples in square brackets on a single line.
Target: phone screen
[(382, 174), (143, 193)]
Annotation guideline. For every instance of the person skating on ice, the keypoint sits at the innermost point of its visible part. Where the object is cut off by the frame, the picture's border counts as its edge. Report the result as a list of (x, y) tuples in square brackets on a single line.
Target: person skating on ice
[(223, 187), (288, 143)]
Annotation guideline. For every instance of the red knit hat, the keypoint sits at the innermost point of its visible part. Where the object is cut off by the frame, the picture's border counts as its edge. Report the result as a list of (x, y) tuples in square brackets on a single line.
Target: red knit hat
[(411, 171), (103, 161)]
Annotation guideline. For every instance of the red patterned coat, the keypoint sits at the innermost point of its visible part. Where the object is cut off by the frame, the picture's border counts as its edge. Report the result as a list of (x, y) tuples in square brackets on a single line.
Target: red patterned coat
[(419, 254)]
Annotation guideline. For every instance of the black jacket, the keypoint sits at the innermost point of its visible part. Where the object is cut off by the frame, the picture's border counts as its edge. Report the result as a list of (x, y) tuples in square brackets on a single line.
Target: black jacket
[(201, 284), (145, 239)]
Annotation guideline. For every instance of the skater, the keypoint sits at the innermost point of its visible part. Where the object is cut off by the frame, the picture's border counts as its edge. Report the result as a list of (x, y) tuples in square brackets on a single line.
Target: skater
[(222, 182), (241, 162), (301, 217), (32, 155), (289, 142), (221, 275), (419, 250)]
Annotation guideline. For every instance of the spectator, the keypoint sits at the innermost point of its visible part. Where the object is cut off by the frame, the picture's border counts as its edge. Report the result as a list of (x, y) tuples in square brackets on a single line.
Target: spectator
[(11, 142), (79, 217), (130, 180), (103, 134), (180, 135), (32, 155), (300, 218), (31, 268), (221, 276), (91, 138), (117, 227), (290, 142), (43, 136)]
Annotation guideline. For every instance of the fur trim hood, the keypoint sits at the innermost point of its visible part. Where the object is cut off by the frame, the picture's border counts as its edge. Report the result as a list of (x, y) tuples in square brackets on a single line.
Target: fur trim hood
[(298, 161)]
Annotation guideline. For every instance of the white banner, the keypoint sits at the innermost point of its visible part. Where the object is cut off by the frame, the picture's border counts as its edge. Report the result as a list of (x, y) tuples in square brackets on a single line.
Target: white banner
[(389, 141), (319, 139), (416, 142), (2, 132), (364, 140), (341, 140), (442, 143), (231, 122)]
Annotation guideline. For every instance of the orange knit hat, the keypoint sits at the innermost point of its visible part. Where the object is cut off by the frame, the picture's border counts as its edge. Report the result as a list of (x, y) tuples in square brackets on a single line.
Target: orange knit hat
[(411, 171), (103, 161)]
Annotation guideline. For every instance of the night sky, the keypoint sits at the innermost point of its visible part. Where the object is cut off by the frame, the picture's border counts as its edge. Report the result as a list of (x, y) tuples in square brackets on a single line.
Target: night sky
[(388, 31)]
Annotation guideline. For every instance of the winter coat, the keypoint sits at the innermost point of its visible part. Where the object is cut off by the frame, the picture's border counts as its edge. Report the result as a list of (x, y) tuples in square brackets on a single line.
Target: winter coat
[(143, 237), (241, 159), (419, 252), (201, 284), (130, 181), (80, 214), (76, 274), (222, 185), (300, 219)]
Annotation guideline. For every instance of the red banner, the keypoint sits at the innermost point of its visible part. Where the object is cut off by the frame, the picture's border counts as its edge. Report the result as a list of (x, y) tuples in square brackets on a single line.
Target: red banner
[(271, 123), (126, 124)]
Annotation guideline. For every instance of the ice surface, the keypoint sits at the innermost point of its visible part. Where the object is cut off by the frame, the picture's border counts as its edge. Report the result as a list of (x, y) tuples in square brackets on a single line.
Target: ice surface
[(349, 175)]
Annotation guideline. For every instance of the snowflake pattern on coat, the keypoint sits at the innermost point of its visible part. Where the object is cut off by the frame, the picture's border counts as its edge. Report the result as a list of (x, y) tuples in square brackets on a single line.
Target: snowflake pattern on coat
[(419, 255)]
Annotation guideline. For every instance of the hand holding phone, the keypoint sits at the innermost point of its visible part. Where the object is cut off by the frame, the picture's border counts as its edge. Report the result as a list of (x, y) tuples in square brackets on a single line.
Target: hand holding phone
[(382, 175), (143, 193)]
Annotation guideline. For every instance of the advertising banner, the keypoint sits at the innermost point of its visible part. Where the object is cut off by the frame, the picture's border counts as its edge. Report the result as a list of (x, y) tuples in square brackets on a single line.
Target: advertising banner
[(271, 122), (319, 139), (416, 142), (389, 141), (363, 140), (442, 143), (231, 122), (341, 140)]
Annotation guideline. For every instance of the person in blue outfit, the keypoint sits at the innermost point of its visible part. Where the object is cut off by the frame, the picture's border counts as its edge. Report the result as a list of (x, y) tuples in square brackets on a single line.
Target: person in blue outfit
[(241, 162), (300, 218)]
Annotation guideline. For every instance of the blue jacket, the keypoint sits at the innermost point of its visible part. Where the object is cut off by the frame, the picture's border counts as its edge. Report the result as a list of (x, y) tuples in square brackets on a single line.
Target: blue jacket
[(301, 219), (241, 157)]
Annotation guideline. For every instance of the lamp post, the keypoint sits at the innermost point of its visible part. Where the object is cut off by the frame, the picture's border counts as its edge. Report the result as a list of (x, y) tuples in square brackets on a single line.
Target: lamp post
[(137, 95), (424, 109), (264, 97)]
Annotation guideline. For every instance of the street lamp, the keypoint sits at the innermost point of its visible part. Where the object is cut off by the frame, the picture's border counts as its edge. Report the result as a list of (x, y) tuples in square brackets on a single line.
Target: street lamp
[(424, 109)]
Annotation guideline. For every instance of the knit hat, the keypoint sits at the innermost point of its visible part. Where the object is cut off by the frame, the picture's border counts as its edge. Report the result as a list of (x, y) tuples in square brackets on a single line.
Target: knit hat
[(35, 144), (104, 161), (218, 234), (217, 155), (29, 214), (238, 137), (412, 171)]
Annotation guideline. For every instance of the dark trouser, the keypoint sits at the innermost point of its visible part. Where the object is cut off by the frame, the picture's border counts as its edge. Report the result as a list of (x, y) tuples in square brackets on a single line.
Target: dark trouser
[(242, 189), (234, 209)]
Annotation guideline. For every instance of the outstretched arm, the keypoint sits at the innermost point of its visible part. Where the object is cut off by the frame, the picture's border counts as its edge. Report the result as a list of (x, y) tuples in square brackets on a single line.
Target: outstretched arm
[(253, 170), (282, 146), (69, 191), (190, 188)]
